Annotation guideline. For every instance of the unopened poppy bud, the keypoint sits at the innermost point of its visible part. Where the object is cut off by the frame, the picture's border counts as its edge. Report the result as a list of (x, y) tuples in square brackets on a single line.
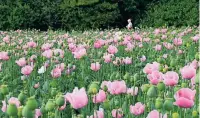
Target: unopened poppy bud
[(93, 88)]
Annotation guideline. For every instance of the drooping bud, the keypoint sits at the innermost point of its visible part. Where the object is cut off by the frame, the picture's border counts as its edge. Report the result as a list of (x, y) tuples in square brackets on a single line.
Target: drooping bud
[(60, 101)]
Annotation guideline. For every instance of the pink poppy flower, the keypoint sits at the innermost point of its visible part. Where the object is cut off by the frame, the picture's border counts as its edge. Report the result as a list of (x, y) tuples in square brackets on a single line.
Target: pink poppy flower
[(170, 78), (38, 113), (4, 107), (149, 68), (6, 39), (4, 56), (112, 49), (95, 66), (117, 113), (26, 70), (185, 98), (14, 101), (132, 91), (47, 53), (127, 60), (177, 41), (46, 46), (55, 73), (188, 72), (195, 38), (98, 114), (99, 97), (158, 47), (155, 77), (21, 62), (137, 109), (156, 114), (32, 44), (78, 98), (107, 58), (117, 87)]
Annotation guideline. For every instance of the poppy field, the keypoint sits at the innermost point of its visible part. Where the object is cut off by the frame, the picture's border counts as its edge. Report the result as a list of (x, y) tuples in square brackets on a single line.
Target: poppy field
[(137, 73)]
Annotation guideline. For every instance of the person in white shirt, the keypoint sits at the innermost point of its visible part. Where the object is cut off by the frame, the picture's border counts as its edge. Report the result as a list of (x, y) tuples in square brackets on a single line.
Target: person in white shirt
[(129, 26)]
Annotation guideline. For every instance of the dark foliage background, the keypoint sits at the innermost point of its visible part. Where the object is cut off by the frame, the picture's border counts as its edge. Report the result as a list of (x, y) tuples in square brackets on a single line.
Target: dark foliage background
[(92, 14)]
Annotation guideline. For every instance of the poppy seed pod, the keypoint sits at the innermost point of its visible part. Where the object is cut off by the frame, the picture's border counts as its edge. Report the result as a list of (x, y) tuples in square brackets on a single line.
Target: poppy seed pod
[(12, 110), (159, 103), (175, 115), (168, 104), (50, 105), (31, 103), (93, 88), (161, 86), (4, 89), (152, 92), (60, 101)]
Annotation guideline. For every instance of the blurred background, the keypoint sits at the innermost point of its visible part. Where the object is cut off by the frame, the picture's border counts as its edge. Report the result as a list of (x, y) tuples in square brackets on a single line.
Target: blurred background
[(96, 14)]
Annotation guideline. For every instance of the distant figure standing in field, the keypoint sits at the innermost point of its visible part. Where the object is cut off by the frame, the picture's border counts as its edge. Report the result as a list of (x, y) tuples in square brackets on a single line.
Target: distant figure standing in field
[(129, 26)]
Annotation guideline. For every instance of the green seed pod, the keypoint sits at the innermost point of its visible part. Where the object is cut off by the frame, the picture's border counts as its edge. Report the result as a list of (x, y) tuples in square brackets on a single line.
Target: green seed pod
[(197, 56), (50, 105), (31, 103), (195, 114), (42, 109), (19, 114), (4, 89), (175, 115), (93, 88), (136, 77), (152, 92), (168, 104), (60, 101), (53, 92), (21, 97), (161, 86), (145, 87), (106, 105), (197, 77), (184, 85), (159, 103), (126, 76), (172, 63), (12, 110), (27, 112)]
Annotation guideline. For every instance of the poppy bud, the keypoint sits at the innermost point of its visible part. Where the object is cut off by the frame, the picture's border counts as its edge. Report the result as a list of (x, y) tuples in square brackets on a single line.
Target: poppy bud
[(53, 92), (12, 110), (145, 87)]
